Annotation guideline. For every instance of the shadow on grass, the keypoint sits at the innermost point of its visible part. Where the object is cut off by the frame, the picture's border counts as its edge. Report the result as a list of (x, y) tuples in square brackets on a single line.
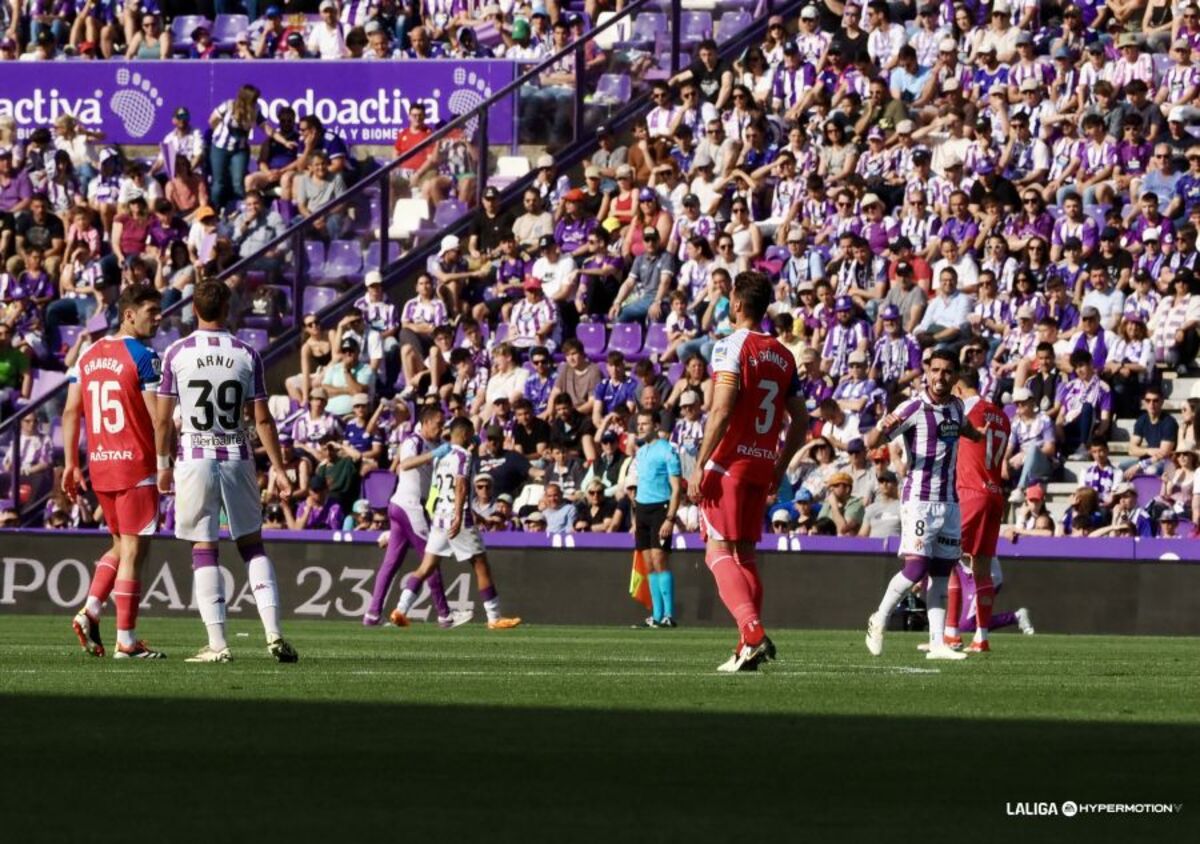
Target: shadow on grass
[(192, 770)]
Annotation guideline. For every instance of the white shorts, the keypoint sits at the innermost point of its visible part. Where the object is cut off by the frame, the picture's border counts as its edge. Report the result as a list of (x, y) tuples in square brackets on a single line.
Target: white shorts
[(930, 529), (466, 546), (202, 487)]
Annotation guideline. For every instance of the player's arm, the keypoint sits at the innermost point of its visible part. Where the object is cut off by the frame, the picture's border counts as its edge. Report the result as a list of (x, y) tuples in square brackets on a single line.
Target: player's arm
[(971, 432), (793, 439), (668, 525), (72, 479), (460, 503), (264, 424), (164, 445), (725, 394)]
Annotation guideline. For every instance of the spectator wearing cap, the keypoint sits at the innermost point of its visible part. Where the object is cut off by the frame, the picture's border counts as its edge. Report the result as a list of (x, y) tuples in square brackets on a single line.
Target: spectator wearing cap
[(649, 279), (379, 42), (554, 271), (805, 264), (841, 507), (945, 323), (881, 518), (848, 334), (453, 274), (490, 224), (1126, 518), (692, 223), (1031, 444), (533, 321), (378, 312), (327, 38), (896, 358), (183, 140), (346, 377), (856, 390), (316, 512), (1025, 159), (862, 472), (574, 225), (990, 184), (362, 443), (905, 293), (608, 158)]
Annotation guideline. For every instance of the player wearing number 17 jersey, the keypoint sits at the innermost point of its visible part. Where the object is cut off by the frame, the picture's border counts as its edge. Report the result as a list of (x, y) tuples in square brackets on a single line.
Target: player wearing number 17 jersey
[(741, 458), (213, 376), (981, 500), (113, 385)]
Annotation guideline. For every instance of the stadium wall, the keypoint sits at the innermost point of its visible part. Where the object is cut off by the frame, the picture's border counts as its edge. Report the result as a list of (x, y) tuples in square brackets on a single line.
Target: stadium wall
[(1070, 586)]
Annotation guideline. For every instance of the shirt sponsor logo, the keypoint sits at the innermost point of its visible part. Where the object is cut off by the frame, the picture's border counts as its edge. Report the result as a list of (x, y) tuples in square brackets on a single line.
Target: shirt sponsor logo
[(102, 455), (948, 429), (216, 440), (755, 451)]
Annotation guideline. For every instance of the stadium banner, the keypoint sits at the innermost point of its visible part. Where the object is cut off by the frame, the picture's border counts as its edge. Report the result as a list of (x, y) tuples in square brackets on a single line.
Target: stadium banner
[(834, 586), (132, 102)]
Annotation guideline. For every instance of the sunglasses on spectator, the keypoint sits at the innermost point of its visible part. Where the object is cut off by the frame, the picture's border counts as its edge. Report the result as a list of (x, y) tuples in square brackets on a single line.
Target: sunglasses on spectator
[(540, 362)]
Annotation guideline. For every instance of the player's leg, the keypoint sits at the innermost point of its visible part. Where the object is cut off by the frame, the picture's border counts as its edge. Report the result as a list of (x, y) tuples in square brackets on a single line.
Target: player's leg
[(139, 518), (197, 520), (430, 563), (746, 554), (488, 594), (735, 593), (644, 536), (985, 595), (662, 584), (916, 567), (86, 623), (208, 586), (397, 547), (954, 602)]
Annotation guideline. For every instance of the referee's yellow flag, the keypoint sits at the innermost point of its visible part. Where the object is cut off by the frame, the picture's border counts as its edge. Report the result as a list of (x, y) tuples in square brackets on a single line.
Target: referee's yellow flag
[(639, 583)]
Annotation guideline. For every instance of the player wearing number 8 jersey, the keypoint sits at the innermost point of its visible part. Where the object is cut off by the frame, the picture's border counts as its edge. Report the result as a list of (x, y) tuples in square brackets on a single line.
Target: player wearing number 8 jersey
[(931, 529), (113, 386), (741, 458), (980, 470), (213, 376)]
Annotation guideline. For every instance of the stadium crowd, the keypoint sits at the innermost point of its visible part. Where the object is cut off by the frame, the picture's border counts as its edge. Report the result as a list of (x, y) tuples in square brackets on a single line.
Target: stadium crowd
[(1020, 184)]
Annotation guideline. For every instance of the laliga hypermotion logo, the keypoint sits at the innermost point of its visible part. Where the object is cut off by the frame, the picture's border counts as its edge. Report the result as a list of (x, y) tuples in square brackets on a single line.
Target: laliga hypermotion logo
[(136, 102)]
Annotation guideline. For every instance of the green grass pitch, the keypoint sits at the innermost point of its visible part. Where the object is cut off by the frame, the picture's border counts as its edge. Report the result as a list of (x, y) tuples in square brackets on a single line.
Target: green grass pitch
[(579, 734)]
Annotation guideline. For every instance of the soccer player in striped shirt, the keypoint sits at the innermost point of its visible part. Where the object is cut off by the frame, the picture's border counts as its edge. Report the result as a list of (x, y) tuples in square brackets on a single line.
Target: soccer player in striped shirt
[(212, 376), (931, 526), (113, 387)]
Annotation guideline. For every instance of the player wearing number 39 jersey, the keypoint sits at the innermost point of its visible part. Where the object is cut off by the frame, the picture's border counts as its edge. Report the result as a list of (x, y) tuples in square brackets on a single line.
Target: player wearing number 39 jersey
[(214, 377), (113, 387), (742, 458)]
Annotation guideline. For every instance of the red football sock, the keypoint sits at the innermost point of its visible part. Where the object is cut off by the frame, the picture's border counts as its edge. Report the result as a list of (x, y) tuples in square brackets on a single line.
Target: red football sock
[(734, 590), (985, 594), (126, 595), (103, 578), (953, 602), (749, 566)]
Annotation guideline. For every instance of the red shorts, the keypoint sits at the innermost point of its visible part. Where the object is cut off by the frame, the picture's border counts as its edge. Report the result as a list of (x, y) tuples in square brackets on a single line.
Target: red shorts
[(731, 509), (982, 513), (130, 512)]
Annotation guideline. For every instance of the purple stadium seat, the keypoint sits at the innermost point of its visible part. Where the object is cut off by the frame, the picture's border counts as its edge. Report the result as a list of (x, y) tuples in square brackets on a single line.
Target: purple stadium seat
[(675, 372), (317, 299), (733, 22), (1148, 487), (377, 488), (695, 27), (614, 87), (45, 381), (56, 437), (501, 333), (645, 26), (69, 334), (165, 337), (593, 336), (656, 339), (226, 28), (626, 338), (314, 251), (181, 31), (343, 259), (371, 260), (255, 338)]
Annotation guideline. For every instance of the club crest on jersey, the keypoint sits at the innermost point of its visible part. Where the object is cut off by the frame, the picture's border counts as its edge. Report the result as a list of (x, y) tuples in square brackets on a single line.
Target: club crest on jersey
[(948, 429)]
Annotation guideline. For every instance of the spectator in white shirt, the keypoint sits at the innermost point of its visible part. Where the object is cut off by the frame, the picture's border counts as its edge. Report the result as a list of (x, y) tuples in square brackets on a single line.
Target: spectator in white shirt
[(327, 41)]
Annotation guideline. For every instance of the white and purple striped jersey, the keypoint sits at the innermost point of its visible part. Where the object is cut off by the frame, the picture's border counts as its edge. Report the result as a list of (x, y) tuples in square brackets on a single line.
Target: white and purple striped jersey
[(455, 465), (412, 485), (380, 315), (432, 312), (930, 431), (1100, 478), (307, 431), (1036, 431), (214, 376)]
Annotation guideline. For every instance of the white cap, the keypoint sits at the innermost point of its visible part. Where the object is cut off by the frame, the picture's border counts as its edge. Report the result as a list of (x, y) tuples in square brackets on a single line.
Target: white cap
[(905, 127), (545, 160), (869, 199), (372, 277), (1021, 394), (326, 4), (809, 12), (951, 84), (857, 357), (448, 242), (948, 45), (1178, 115)]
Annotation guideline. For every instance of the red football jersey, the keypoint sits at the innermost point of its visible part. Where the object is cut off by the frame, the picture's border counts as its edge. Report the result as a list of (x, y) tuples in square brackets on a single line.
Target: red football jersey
[(979, 463), (112, 375), (765, 372)]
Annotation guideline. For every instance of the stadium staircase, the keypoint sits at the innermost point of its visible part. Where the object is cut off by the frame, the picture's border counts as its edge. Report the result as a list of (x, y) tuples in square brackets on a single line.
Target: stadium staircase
[(394, 232)]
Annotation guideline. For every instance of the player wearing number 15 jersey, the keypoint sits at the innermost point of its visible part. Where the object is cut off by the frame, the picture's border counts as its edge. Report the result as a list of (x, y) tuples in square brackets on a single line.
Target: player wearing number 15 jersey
[(981, 500), (213, 376), (742, 459), (113, 385)]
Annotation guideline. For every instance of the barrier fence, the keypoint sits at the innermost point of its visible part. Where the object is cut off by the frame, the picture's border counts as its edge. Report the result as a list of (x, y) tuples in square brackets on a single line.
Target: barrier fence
[(1070, 586)]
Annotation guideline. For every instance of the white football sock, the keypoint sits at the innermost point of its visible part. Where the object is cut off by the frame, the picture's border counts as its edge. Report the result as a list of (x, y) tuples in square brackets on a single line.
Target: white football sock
[(266, 594), (127, 638), (94, 606), (935, 608), (493, 609), (210, 598), (896, 590), (407, 599)]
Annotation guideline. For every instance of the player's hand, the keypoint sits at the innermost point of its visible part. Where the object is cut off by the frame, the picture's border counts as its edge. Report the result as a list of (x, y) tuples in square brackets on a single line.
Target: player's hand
[(455, 527), (166, 481), (694, 485), (441, 451), (283, 485), (72, 482)]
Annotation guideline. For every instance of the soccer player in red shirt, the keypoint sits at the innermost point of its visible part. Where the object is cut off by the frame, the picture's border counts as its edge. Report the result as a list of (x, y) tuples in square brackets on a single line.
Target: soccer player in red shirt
[(981, 499), (113, 385), (742, 460)]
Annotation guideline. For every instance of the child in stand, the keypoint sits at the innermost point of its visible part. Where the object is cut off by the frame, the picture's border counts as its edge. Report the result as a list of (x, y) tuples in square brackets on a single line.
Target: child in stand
[(681, 325)]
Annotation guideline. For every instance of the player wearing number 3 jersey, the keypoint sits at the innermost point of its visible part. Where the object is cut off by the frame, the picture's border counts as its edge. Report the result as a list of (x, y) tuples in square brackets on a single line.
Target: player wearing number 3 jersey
[(213, 377), (742, 458), (113, 386)]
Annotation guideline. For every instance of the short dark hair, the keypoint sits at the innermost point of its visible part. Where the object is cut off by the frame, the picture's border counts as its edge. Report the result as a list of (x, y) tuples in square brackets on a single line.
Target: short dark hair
[(523, 404), (655, 416), (136, 295), (1079, 357), (969, 377), (211, 300), (753, 289), (946, 355), (428, 412), (572, 345), (462, 423), (460, 355)]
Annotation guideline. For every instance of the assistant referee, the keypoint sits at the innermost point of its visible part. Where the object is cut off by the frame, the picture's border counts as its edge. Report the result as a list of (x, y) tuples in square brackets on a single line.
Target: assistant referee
[(659, 488)]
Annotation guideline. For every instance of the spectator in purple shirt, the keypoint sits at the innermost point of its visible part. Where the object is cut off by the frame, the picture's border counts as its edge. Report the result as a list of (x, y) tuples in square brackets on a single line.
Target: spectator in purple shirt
[(317, 511), (573, 228), (15, 190)]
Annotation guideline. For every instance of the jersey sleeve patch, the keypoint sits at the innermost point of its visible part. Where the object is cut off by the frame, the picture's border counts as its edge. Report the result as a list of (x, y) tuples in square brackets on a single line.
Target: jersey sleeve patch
[(726, 355), (149, 365)]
